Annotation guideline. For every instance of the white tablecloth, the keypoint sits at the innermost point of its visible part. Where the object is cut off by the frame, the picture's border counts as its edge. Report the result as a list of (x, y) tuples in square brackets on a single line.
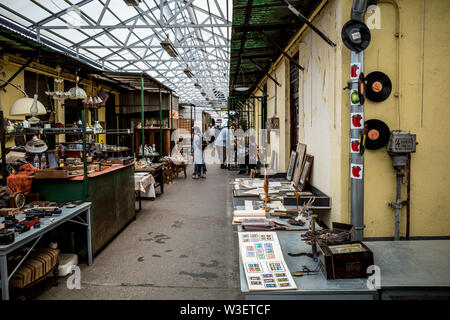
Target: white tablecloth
[(145, 184)]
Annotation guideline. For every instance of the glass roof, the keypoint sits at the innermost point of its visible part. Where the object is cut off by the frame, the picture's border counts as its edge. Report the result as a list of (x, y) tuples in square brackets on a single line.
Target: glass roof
[(122, 37)]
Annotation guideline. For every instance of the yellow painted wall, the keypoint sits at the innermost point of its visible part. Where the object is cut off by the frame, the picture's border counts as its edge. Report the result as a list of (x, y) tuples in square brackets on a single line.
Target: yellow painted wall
[(11, 94), (279, 140), (324, 112), (319, 106), (426, 115)]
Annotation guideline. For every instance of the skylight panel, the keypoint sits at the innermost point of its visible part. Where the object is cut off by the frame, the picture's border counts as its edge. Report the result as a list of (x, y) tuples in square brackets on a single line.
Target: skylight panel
[(28, 9), (14, 18)]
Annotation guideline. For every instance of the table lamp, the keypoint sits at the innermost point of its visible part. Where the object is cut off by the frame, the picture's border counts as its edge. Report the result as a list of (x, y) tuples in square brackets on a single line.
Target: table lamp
[(27, 106)]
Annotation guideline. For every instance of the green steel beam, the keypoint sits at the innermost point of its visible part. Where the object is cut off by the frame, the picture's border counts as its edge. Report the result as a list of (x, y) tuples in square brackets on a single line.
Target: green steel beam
[(160, 125), (85, 180), (142, 116)]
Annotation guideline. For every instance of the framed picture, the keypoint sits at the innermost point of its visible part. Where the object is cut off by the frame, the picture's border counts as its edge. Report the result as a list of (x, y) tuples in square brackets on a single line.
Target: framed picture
[(305, 172), (301, 151), (291, 165)]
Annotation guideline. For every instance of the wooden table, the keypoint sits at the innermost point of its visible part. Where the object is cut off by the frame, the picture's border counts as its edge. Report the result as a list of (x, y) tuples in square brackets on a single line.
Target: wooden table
[(180, 167), (157, 172)]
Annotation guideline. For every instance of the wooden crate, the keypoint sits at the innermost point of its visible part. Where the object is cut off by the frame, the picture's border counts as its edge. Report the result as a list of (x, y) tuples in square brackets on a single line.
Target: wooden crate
[(345, 227), (62, 172), (339, 261)]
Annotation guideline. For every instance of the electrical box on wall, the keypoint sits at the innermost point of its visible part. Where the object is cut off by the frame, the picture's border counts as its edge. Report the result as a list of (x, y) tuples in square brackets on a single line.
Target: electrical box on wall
[(401, 142)]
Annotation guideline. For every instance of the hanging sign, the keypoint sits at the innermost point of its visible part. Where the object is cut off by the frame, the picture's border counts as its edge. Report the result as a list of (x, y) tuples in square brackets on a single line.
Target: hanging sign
[(356, 171)]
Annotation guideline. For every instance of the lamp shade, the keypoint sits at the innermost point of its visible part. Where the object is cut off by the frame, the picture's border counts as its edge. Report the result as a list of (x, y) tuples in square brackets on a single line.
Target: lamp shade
[(77, 93), (241, 88), (22, 107)]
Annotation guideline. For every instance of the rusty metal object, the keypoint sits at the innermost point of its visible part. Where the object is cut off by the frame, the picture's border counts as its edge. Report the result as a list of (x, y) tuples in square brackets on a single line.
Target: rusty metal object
[(326, 236)]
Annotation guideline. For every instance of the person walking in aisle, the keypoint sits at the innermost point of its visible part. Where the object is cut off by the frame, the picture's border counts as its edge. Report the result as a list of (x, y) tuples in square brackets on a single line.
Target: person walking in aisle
[(225, 137), (199, 163)]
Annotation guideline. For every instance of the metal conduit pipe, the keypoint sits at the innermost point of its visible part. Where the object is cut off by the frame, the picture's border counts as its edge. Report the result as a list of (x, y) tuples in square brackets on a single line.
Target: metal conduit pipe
[(357, 185), (398, 204)]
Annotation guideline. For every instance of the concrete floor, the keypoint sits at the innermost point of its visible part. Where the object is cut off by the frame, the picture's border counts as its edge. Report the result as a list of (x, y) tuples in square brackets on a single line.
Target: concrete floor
[(181, 246)]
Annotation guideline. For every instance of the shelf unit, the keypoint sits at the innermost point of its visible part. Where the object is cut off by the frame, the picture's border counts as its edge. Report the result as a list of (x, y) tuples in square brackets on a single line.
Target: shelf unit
[(55, 131)]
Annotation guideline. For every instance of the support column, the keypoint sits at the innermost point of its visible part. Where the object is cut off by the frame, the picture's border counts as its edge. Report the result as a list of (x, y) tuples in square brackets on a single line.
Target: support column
[(142, 116), (356, 131), (60, 116), (161, 147)]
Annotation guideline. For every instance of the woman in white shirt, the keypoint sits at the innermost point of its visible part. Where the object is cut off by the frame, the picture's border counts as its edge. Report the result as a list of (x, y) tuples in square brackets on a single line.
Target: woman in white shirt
[(198, 154)]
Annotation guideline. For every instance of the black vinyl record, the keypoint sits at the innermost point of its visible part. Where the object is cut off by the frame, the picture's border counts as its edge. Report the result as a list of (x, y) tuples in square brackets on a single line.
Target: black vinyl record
[(378, 134), (355, 35), (378, 86)]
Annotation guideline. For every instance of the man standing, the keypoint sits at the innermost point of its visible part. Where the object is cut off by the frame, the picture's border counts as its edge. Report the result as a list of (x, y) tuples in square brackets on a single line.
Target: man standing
[(225, 137)]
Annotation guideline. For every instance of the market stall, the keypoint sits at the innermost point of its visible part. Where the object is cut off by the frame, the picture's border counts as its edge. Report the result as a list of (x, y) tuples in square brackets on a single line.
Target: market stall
[(47, 222), (285, 255), (111, 193)]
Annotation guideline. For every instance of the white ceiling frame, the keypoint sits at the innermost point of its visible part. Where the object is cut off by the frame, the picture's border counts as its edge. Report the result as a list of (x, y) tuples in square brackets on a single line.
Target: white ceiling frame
[(202, 44)]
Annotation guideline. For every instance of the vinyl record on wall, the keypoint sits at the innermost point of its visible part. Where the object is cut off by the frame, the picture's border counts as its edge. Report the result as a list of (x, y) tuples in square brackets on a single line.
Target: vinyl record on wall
[(355, 35), (378, 86), (378, 134)]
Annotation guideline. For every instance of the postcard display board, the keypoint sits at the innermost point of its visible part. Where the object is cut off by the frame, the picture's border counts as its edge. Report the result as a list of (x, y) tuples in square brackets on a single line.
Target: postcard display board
[(265, 268)]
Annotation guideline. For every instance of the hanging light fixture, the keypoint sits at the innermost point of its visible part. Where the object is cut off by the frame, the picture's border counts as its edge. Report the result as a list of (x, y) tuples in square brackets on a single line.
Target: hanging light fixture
[(169, 48), (58, 95), (77, 92), (188, 73), (97, 101), (58, 79), (242, 86)]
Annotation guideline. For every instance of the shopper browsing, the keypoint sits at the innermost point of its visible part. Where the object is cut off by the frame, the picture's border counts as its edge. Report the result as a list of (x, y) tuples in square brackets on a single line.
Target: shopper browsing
[(199, 163), (225, 137)]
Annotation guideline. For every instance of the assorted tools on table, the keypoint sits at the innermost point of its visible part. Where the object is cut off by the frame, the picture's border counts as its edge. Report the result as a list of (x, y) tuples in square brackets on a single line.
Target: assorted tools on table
[(305, 271), (325, 236), (33, 216)]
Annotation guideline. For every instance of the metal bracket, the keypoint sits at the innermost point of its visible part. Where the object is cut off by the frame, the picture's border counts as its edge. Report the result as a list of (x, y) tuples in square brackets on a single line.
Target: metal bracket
[(78, 222), (282, 51), (26, 64), (262, 70), (24, 257), (396, 205), (308, 23)]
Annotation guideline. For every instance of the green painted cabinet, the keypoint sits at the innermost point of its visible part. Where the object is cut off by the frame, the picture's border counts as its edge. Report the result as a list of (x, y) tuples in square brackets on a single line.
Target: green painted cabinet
[(112, 196)]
